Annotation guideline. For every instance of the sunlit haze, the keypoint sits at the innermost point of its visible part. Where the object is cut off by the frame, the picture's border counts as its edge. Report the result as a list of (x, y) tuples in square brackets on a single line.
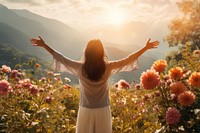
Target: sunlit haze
[(89, 14)]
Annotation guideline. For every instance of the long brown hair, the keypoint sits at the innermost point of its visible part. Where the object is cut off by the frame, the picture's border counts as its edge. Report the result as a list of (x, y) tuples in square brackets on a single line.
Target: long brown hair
[(94, 65)]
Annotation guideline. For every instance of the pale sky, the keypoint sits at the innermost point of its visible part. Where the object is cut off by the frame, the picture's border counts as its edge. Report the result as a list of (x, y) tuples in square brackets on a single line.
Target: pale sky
[(87, 14)]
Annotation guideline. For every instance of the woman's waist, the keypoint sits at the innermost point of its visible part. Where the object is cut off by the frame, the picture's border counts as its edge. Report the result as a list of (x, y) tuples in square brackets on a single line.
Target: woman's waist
[(94, 102)]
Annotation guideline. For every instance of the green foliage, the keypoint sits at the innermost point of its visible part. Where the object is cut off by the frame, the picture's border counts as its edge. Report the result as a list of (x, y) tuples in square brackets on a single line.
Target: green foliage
[(130, 113), (185, 57), (53, 105), (185, 28)]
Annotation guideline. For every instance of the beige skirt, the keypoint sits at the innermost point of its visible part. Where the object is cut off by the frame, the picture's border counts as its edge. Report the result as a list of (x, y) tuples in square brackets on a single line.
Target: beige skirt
[(98, 120)]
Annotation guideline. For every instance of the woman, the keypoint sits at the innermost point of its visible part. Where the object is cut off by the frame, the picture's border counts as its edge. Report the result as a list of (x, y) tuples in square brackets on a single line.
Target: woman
[(94, 115)]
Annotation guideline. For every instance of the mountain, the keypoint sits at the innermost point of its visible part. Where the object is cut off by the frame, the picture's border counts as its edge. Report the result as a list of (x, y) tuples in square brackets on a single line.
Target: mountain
[(56, 34), (18, 26), (18, 40)]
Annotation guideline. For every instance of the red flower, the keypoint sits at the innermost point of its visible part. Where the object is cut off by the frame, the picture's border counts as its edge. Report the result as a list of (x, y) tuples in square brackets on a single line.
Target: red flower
[(138, 86), (33, 89), (150, 79), (14, 73), (5, 87), (196, 53), (25, 83), (122, 84), (177, 88), (172, 116), (186, 98), (48, 99)]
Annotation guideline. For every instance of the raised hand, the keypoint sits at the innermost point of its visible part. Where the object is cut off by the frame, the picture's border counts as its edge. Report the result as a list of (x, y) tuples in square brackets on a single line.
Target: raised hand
[(150, 45), (38, 42)]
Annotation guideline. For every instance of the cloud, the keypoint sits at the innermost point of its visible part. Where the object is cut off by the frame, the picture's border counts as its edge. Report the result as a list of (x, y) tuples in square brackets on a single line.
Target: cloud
[(53, 1), (29, 2), (90, 13)]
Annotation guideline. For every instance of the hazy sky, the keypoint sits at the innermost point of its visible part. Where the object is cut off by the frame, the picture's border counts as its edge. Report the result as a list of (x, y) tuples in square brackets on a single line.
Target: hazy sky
[(84, 14)]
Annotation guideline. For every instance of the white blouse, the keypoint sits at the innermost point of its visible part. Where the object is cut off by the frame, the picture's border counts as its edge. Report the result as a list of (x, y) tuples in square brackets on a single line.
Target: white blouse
[(95, 94)]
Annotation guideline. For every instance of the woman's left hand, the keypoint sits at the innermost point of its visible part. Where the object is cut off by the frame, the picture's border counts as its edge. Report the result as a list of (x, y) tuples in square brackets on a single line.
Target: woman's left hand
[(150, 45)]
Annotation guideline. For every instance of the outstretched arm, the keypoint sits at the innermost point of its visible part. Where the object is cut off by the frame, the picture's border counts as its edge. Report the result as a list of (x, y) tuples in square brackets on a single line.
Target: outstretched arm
[(127, 64), (70, 65), (149, 45), (40, 42)]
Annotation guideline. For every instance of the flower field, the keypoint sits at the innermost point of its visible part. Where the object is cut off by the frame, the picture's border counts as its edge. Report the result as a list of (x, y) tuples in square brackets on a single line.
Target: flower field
[(166, 100)]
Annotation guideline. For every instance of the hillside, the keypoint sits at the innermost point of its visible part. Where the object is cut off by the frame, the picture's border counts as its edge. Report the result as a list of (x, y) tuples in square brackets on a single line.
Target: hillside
[(58, 35), (10, 56), (18, 26)]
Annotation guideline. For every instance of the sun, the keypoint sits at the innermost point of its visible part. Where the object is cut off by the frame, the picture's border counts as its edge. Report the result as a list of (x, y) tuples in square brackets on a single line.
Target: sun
[(115, 17)]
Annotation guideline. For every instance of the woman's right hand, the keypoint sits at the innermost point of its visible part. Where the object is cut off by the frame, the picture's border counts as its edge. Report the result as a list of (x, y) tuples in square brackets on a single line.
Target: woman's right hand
[(38, 42)]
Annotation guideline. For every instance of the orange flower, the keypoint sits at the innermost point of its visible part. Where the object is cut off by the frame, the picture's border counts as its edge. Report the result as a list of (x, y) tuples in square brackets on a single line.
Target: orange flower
[(194, 79), (37, 65), (159, 65), (150, 79), (186, 98), (177, 88), (176, 73)]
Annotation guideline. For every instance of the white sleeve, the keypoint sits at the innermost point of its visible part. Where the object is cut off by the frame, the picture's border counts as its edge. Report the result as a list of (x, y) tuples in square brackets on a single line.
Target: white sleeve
[(124, 65), (69, 65)]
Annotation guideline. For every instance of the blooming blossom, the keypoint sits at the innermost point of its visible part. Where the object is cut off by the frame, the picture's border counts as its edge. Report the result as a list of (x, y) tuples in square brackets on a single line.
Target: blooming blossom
[(159, 65), (146, 97), (5, 87), (186, 98), (5, 69), (150, 79), (25, 83), (33, 89), (13, 73), (177, 88), (48, 99), (138, 86), (37, 65), (122, 84), (194, 79), (196, 53), (172, 116), (176, 73)]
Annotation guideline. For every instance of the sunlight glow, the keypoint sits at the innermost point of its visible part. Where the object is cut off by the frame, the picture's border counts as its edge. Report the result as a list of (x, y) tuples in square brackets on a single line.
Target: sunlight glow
[(115, 17)]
